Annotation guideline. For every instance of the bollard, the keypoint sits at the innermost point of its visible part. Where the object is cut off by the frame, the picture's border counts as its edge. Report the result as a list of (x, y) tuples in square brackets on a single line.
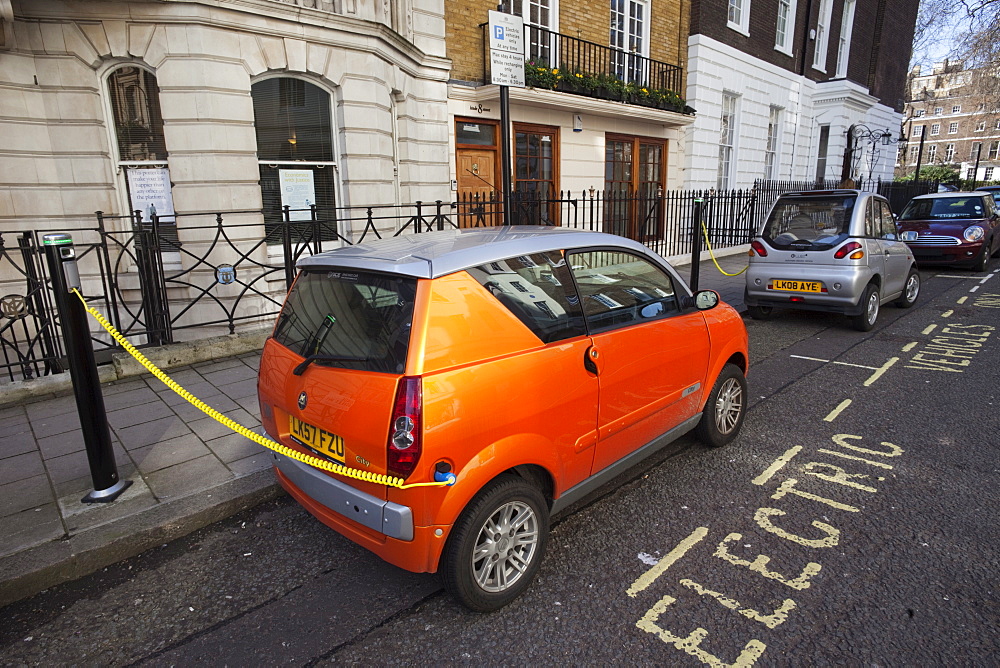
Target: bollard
[(696, 244), (65, 274)]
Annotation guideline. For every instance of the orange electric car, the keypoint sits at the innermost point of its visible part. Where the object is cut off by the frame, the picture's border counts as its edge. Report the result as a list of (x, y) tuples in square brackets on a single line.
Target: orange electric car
[(532, 364)]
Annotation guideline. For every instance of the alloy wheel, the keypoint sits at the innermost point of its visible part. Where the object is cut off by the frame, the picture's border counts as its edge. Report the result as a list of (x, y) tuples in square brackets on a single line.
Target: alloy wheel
[(505, 546), (729, 406)]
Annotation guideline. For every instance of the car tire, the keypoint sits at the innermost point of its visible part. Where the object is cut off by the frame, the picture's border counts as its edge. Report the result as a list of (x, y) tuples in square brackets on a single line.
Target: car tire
[(761, 312), (869, 305), (497, 544), (983, 260), (911, 290), (725, 409)]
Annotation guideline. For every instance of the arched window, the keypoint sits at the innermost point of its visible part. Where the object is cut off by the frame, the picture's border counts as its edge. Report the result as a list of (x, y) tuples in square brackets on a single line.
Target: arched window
[(142, 151), (295, 154)]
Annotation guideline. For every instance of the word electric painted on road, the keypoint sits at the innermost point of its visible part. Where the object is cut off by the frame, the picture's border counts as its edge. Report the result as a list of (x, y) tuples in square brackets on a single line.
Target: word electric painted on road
[(858, 467)]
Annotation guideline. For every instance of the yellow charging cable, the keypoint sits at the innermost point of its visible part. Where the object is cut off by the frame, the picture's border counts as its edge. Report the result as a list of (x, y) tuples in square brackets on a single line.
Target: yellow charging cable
[(704, 231), (378, 478)]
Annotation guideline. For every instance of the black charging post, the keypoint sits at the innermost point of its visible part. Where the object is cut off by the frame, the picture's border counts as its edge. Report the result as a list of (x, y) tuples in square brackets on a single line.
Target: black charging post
[(696, 244), (65, 275)]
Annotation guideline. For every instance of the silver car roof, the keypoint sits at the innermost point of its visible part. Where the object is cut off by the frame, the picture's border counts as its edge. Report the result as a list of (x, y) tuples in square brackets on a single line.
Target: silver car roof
[(433, 254)]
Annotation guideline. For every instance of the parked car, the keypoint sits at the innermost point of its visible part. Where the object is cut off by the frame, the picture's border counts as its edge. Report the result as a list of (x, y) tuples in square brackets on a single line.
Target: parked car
[(832, 250), (534, 363), (993, 190), (952, 228)]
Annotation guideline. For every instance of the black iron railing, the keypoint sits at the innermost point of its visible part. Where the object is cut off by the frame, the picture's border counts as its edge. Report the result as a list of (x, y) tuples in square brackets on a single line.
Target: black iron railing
[(216, 272), (573, 65)]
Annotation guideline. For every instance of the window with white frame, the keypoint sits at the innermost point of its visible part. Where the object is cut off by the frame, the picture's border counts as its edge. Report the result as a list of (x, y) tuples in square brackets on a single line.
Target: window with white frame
[(975, 150), (935, 129), (957, 109), (821, 154), (630, 39), (773, 142), (918, 131), (727, 140), (914, 152), (970, 173), (938, 111), (949, 153), (785, 26), (919, 113), (844, 42), (952, 128), (932, 153), (994, 148), (981, 126), (539, 16), (998, 125), (988, 174), (822, 35), (738, 17)]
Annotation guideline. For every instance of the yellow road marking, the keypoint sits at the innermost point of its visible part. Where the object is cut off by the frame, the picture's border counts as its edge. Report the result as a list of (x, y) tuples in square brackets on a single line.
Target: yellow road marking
[(974, 289), (962, 300), (928, 329), (910, 346), (668, 560), (881, 370), (838, 410), (947, 314), (776, 465)]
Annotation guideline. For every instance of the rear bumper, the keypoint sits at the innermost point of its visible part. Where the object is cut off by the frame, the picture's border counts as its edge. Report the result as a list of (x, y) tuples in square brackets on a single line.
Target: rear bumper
[(845, 300), (385, 517), (419, 553)]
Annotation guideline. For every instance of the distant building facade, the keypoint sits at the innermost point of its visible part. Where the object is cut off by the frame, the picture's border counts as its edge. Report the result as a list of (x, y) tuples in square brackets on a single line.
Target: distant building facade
[(959, 125), (780, 84)]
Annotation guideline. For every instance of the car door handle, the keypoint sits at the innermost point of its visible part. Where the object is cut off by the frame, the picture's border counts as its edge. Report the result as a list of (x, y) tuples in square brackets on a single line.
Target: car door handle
[(590, 360)]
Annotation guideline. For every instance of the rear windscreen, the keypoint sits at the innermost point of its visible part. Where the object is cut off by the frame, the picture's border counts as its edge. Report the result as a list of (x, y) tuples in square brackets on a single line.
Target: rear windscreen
[(356, 320), (943, 208), (809, 223)]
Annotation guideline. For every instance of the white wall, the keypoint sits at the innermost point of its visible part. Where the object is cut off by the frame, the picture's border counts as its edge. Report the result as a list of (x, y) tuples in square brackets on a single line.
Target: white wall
[(715, 68)]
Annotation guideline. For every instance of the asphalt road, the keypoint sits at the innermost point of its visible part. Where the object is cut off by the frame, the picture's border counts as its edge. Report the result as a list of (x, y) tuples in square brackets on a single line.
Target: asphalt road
[(853, 522)]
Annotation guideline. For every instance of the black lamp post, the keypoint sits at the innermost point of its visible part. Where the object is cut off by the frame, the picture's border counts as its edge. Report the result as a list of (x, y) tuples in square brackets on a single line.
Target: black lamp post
[(874, 139)]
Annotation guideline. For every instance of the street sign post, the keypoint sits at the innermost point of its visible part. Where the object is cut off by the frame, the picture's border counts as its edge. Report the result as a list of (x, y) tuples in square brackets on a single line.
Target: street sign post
[(506, 69)]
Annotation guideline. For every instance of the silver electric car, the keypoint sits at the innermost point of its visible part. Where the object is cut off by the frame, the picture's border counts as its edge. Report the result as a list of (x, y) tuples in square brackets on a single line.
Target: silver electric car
[(830, 250)]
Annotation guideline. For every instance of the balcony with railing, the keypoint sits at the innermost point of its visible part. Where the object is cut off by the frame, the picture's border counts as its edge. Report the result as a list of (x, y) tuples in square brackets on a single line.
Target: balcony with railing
[(559, 62)]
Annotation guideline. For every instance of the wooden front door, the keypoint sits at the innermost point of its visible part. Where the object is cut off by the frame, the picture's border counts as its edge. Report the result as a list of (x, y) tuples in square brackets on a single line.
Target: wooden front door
[(477, 173)]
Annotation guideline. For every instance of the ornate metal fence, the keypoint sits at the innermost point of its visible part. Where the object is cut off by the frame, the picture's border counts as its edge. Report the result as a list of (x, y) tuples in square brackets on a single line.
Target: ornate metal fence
[(196, 275)]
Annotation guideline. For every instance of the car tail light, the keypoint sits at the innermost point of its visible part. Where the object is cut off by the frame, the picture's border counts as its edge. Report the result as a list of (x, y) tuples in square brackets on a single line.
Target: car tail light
[(758, 247), (853, 247), (403, 448)]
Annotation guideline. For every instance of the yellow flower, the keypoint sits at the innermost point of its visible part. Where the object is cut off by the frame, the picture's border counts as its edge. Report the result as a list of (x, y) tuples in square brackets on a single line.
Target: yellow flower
[(579, 76), (645, 91), (555, 71)]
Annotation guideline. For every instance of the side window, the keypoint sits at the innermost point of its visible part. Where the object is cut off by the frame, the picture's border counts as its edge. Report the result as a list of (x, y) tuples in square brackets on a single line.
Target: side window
[(871, 225), (888, 222), (538, 289), (620, 289)]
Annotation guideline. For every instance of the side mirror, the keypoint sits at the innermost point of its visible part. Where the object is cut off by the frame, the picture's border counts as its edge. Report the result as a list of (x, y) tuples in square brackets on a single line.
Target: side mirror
[(706, 299)]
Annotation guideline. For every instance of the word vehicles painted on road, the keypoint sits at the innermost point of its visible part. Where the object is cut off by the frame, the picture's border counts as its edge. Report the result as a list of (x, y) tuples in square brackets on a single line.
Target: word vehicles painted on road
[(951, 349)]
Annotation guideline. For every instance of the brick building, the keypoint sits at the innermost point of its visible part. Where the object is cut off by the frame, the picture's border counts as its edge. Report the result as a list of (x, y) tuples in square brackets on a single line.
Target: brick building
[(958, 124), (602, 109), (779, 84)]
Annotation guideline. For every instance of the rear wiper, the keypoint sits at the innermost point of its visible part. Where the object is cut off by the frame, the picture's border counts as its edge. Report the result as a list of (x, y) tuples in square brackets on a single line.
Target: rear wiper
[(300, 369)]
